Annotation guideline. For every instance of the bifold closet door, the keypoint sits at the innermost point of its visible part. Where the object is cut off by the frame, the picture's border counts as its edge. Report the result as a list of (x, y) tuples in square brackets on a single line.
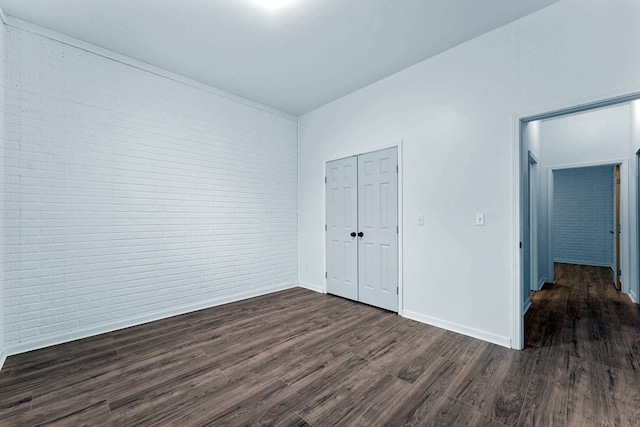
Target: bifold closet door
[(362, 228)]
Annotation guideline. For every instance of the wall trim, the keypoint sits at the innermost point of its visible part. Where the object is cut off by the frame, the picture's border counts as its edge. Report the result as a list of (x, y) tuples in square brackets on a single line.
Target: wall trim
[(134, 321), (517, 236), (632, 295), (588, 263), (527, 305), (3, 358), (3, 351), (587, 104), (312, 287), (126, 60), (580, 165), (541, 282), (460, 329)]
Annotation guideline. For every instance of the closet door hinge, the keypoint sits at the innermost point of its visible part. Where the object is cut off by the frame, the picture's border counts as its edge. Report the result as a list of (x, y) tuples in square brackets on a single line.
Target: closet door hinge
[(325, 227), (619, 272), (397, 168), (325, 179), (325, 275)]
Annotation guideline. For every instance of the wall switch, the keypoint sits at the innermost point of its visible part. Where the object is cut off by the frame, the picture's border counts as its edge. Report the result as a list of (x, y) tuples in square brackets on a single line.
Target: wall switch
[(420, 219), (479, 219)]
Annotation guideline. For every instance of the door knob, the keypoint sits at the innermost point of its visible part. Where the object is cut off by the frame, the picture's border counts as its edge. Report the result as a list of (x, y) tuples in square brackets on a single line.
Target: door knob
[(360, 234), (353, 234)]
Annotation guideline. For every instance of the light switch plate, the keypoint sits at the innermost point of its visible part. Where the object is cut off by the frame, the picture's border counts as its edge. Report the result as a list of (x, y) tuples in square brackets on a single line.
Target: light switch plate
[(420, 219), (479, 219)]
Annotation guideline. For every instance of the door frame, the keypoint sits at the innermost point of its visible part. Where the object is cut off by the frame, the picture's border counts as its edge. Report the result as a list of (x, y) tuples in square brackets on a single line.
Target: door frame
[(356, 152), (519, 122), (533, 223), (624, 208), (617, 222)]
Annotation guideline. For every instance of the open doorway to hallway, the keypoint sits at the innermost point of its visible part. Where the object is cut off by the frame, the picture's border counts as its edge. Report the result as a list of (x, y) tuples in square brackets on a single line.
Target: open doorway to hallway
[(602, 139)]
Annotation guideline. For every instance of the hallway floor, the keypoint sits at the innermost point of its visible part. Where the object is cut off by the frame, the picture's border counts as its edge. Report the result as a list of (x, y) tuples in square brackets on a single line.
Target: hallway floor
[(587, 336)]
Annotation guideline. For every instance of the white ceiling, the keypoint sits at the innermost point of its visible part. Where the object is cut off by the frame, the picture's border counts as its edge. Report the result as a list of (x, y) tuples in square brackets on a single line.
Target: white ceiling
[(294, 60)]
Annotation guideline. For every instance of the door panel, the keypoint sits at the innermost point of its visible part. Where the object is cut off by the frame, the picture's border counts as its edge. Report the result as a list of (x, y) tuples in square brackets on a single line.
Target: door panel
[(342, 220), (378, 220)]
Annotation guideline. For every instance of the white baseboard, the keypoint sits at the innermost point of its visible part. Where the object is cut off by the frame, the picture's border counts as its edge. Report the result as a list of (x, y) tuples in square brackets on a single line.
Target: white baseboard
[(633, 296), (541, 283), (3, 357), (590, 264), (527, 306), (312, 287), (464, 330), (133, 321)]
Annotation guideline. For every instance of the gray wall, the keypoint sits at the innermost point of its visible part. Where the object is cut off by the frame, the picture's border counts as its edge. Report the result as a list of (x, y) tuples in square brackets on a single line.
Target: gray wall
[(583, 216)]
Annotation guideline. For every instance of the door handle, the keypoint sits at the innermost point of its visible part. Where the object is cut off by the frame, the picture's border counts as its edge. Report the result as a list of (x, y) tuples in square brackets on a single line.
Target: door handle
[(360, 234), (353, 234)]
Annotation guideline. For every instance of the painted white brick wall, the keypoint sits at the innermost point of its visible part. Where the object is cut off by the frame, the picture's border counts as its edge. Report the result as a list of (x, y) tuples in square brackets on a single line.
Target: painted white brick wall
[(583, 215), (129, 194)]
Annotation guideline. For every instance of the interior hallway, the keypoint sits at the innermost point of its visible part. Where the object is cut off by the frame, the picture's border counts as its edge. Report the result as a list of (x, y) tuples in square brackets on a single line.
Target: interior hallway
[(299, 358)]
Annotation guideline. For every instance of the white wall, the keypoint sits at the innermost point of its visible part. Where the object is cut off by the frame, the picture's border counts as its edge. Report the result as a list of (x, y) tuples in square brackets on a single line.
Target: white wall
[(456, 115), (530, 178), (531, 142), (587, 137), (130, 196)]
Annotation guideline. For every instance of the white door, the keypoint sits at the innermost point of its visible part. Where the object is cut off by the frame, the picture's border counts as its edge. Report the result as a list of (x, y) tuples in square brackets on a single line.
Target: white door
[(378, 221), (342, 226), (375, 233)]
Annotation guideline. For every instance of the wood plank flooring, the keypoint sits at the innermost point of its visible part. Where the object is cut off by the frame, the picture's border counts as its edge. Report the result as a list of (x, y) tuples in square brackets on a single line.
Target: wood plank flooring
[(298, 358)]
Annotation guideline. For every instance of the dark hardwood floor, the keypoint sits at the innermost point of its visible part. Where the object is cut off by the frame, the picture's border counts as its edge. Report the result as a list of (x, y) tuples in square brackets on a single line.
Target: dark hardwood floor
[(298, 358)]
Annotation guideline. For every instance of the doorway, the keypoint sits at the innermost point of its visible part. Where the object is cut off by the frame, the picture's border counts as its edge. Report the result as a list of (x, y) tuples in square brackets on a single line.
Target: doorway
[(605, 140), (362, 228), (586, 217)]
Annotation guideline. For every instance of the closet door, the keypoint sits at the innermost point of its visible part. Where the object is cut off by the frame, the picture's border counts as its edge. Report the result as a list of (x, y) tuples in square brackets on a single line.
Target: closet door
[(378, 223), (342, 227), (362, 228)]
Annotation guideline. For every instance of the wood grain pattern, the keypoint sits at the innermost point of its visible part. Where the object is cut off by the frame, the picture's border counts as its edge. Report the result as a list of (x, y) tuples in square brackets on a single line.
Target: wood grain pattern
[(297, 358)]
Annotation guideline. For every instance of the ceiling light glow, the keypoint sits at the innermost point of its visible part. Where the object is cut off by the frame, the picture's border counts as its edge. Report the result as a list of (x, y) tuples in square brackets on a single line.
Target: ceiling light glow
[(273, 5)]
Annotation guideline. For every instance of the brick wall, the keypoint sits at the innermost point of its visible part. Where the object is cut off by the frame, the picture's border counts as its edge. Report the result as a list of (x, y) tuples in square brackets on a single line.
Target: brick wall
[(583, 215), (131, 196)]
